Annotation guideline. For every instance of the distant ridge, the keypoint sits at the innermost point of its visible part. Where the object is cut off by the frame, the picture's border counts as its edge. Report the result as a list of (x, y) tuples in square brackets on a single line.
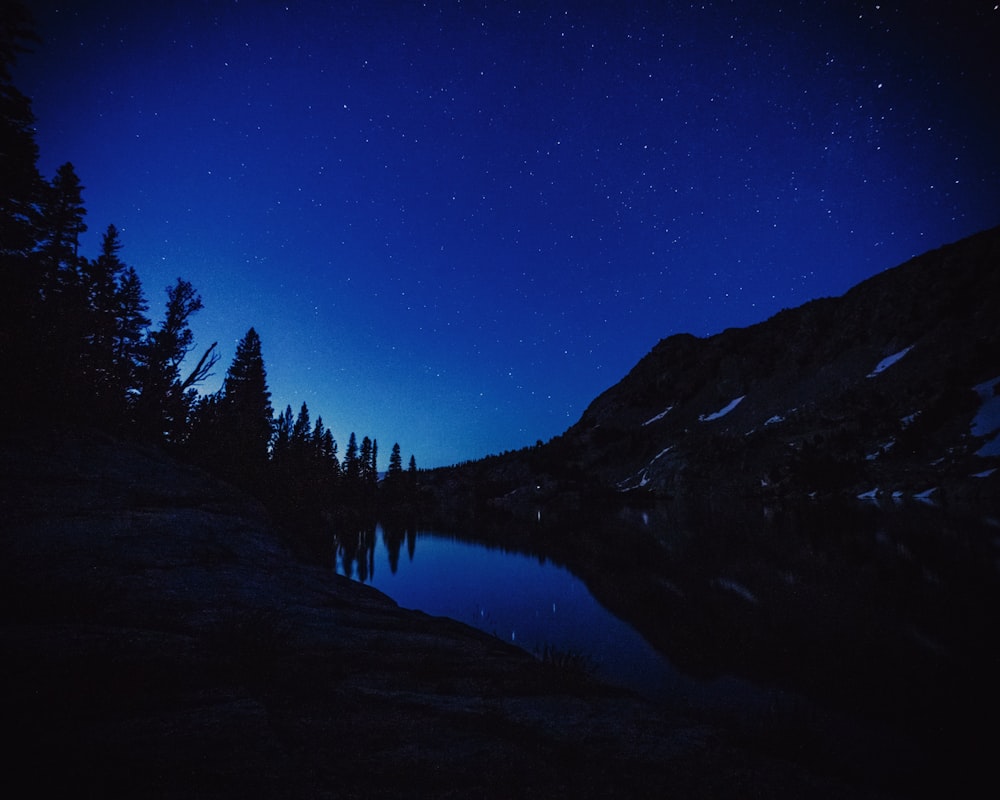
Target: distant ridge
[(891, 388)]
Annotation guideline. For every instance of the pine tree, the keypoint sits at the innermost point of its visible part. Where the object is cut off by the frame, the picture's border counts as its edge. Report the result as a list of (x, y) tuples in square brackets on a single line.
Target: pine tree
[(392, 486), (62, 314), (352, 468), (131, 323), (164, 401), (301, 435), (318, 434), (411, 475), (21, 188), (395, 463), (282, 436), (245, 414), (330, 452), (326, 469), (21, 185), (365, 464), (62, 222), (100, 284)]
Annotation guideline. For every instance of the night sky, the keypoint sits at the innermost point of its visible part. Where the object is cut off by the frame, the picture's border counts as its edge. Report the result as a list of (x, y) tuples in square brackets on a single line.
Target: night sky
[(455, 224)]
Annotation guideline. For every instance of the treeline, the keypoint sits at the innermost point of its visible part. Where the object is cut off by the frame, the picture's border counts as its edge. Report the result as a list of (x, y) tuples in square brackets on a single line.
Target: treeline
[(77, 348)]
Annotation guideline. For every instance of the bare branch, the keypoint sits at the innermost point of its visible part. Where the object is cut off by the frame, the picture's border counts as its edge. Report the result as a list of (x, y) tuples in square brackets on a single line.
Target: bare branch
[(202, 370)]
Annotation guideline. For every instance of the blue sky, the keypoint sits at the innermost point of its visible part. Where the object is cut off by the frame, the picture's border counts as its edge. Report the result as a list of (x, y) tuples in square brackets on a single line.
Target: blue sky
[(455, 224)]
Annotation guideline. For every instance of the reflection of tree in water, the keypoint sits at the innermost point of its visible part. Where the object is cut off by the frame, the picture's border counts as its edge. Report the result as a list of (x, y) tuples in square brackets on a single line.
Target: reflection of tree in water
[(356, 550), (393, 534)]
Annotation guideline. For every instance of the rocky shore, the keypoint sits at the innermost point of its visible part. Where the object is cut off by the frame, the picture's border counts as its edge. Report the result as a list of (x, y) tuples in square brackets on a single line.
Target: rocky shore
[(160, 641)]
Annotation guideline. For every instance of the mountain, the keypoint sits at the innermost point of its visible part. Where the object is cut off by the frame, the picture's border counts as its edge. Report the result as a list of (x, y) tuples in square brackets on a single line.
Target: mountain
[(892, 388)]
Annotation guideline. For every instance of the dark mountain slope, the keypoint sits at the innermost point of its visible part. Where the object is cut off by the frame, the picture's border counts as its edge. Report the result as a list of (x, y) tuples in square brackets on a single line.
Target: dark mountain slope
[(880, 387)]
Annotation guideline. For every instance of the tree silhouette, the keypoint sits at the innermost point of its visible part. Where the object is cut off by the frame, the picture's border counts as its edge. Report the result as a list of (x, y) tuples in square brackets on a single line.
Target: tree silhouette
[(281, 440), (62, 311), (21, 187), (104, 375), (21, 184), (392, 486), (368, 458), (164, 402), (365, 456), (352, 471), (325, 466), (62, 222), (301, 433), (244, 416), (131, 323), (395, 470)]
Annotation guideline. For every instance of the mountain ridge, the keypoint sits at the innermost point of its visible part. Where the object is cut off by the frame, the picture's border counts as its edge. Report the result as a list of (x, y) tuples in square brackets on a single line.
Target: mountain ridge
[(873, 392)]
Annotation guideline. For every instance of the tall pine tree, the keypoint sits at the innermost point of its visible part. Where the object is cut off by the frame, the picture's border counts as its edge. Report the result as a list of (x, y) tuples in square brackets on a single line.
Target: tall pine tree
[(392, 486), (21, 185), (281, 439), (131, 323), (21, 188), (352, 470), (245, 414), (100, 285), (63, 316), (62, 222)]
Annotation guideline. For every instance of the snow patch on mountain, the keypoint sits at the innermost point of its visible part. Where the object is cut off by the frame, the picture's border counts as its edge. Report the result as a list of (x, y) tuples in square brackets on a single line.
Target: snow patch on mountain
[(663, 452), (736, 588), (637, 481), (987, 419), (882, 450), (722, 411), (658, 417), (888, 361)]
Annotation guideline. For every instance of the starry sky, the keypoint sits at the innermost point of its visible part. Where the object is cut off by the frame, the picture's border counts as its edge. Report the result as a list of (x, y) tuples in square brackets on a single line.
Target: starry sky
[(454, 224)]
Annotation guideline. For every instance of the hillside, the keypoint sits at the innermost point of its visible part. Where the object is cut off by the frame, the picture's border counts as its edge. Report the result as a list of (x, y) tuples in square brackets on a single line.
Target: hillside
[(891, 388)]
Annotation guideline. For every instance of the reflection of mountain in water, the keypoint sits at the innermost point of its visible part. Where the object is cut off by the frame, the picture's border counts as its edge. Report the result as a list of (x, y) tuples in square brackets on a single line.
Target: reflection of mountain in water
[(890, 613), (882, 612)]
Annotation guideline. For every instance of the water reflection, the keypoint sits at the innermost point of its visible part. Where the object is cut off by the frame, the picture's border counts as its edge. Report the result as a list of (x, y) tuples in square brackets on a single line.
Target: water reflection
[(889, 613), (525, 599)]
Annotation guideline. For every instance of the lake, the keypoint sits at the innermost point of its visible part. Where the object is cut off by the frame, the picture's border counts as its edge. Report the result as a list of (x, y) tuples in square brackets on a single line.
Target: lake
[(526, 600), (861, 635), (886, 612)]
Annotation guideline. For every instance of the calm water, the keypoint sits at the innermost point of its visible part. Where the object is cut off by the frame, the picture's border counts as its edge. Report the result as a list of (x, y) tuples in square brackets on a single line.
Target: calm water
[(881, 611), (863, 633), (525, 600)]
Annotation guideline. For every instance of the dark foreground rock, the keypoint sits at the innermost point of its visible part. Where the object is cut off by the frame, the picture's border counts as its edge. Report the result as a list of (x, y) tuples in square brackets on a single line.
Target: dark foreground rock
[(159, 641)]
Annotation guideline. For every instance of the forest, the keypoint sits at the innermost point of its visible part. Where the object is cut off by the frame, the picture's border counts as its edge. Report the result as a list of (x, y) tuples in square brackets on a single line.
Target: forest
[(78, 349)]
